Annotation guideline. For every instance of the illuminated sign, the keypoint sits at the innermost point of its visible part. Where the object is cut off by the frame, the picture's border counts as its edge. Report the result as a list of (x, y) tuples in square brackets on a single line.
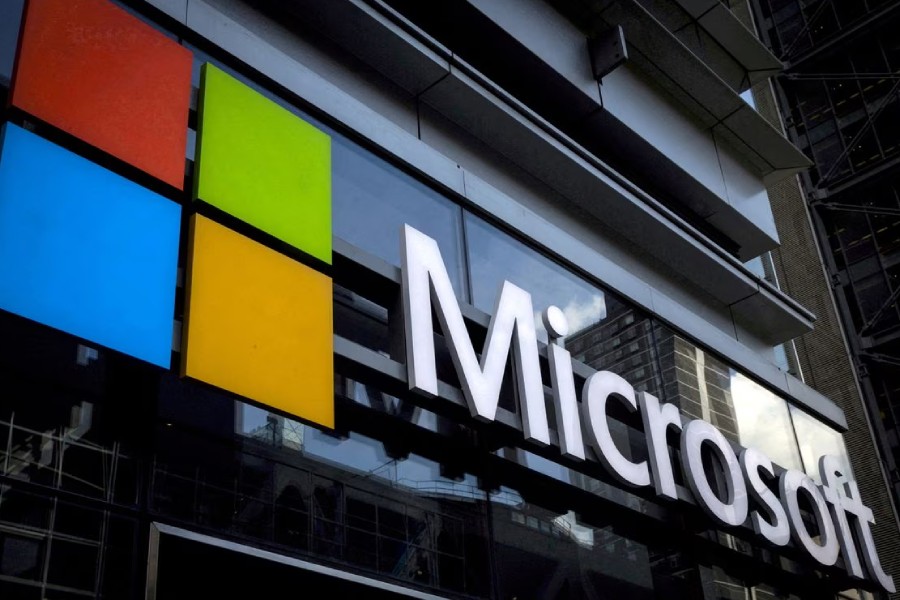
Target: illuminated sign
[(104, 76), (259, 323), (264, 165), (843, 521), (94, 254), (85, 250)]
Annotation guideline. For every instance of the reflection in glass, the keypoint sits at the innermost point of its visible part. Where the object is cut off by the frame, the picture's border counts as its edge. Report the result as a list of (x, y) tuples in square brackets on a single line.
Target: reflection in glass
[(705, 387), (413, 523), (43, 541), (347, 498), (372, 200), (10, 18), (622, 343), (728, 587), (360, 320), (273, 429), (57, 444), (767, 592), (572, 477), (495, 257), (697, 382), (763, 422), (372, 397), (817, 439), (543, 553)]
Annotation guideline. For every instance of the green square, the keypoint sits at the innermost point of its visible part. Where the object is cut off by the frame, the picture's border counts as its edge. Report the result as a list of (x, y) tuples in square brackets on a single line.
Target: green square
[(262, 164)]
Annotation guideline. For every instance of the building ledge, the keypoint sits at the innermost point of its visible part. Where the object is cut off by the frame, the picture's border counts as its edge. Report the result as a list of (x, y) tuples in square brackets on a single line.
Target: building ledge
[(541, 58), (465, 97), (686, 77), (731, 34)]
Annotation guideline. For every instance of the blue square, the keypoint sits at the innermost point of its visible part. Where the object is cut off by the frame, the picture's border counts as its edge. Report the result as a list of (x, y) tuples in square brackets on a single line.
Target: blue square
[(85, 250)]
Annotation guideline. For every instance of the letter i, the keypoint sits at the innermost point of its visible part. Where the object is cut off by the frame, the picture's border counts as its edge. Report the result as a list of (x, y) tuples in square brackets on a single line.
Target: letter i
[(562, 380)]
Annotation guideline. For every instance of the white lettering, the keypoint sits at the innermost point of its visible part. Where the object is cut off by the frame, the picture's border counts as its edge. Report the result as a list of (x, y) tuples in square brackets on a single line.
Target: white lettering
[(733, 509), (776, 529), (562, 380), (426, 284), (791, 484), (837, 507), (598, 388), (657, 420)]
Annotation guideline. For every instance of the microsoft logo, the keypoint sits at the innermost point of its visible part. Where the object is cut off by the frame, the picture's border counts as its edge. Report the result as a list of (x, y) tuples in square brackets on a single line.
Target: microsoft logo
[(94, 254)]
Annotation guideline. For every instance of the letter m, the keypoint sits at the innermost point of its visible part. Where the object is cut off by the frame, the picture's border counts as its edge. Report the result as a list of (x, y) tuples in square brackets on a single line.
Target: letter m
[(426, 285)]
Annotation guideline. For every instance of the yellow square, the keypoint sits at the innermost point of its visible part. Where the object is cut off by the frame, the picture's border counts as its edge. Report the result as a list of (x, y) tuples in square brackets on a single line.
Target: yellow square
[(258, 324)]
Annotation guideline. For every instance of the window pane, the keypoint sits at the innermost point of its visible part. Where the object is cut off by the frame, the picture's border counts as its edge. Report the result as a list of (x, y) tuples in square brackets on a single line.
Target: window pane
[(495, 256), (574, 555), (705, 387), (10, 17), (697, 382), (818, 439), (763, 422), (372, 200)]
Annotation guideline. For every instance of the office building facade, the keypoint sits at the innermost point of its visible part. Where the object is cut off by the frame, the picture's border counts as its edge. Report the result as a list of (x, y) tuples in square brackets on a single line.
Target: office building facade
[(839, 101), (250, 253)]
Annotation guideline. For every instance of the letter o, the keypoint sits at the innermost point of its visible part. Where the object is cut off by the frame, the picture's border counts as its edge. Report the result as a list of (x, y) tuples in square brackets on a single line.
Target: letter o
[(733, 510)]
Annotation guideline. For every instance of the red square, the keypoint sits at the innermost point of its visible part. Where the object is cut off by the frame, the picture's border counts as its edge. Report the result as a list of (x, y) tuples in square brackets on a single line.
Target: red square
[(99, 73)]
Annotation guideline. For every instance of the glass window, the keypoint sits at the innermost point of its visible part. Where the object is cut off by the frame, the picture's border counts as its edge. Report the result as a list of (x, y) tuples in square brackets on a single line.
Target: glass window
[(361, 320), (706, 388), (817, 439), (372, 200), (565, 556), (697, 382), (10, 19), (21, 556), (372, 397), (348, 497), (495, 256), (604, 332), (763, 422), (574, 555), (72, 564), (57, 440), (421, 526)]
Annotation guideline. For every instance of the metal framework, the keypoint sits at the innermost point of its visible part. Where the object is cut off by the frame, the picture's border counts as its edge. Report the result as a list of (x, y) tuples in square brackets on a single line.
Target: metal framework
[(836, 197), (860, 27)]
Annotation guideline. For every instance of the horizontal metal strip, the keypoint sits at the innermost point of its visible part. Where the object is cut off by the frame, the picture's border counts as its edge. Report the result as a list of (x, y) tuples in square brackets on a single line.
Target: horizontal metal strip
[(291, 562)]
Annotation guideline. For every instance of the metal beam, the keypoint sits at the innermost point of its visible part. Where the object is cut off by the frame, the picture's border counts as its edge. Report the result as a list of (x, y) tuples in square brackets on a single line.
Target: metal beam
[(881, 358), (823, 182), (861, 27), (892, 299), (809, 21), (869, 210), (839, 76)]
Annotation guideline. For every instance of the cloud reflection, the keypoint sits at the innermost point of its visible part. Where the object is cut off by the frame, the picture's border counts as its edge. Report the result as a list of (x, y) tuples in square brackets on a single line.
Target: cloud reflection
[(763, 422)]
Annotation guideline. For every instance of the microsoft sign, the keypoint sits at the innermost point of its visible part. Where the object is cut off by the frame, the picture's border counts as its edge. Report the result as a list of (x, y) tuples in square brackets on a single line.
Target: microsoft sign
[(843, 521)]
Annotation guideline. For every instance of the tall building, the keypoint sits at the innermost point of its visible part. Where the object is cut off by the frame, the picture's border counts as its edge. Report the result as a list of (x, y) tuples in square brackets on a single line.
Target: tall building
[(838, 94), (398, 299), (835, 100)]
